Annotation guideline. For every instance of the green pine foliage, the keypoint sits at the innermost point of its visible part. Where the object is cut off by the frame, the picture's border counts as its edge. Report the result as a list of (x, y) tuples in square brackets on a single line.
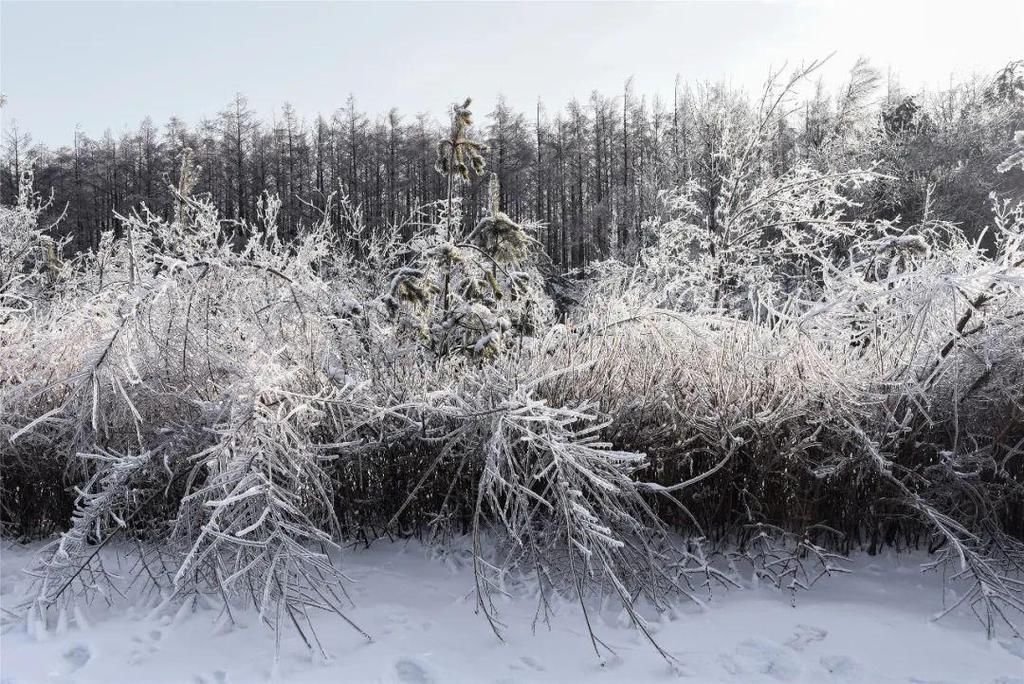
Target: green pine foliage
[(468, 293)]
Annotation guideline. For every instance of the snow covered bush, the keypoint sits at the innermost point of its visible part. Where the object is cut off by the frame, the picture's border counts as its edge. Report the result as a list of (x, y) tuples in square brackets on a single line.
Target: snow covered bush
[(847, 380), (776, 381), (184, 386), (26, 251), (1017, 158)]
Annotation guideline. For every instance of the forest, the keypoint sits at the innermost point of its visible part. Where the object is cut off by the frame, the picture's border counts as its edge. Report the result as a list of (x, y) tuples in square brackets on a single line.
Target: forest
[(628, 351), (591, 173)]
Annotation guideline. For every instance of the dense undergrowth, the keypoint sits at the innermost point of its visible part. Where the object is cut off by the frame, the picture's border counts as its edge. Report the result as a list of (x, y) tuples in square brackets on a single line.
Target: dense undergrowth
[(776, 380)]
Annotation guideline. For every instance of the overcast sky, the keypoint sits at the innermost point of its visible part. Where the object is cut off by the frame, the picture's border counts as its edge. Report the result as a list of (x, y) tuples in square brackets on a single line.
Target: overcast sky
[(108, 65)]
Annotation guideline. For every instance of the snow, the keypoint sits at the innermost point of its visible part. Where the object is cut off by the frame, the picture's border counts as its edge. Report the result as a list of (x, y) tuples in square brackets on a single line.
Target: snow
[(873, 625)]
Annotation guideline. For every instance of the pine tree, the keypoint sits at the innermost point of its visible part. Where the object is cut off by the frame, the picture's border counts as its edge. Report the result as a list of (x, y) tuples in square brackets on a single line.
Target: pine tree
[(466, 293)]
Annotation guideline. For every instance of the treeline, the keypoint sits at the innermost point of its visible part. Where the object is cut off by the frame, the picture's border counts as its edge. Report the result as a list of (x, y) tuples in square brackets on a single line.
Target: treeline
[(591, 172)]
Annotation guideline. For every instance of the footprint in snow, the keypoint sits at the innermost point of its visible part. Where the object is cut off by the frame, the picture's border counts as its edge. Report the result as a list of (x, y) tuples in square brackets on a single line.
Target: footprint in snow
[(1013, 646), (532, 664), (77, 656), (145, 645), (396, 621), (729, 664), (767, 657), (804, 635), (217, 677), (843, 668), (411, 672)]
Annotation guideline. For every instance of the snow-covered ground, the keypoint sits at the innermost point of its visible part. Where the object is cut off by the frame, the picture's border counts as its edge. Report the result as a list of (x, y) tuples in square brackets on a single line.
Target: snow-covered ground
[(871, 626)]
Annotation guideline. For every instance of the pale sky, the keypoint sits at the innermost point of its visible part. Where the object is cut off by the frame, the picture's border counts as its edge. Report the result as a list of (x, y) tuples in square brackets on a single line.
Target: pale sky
[(108, 65)]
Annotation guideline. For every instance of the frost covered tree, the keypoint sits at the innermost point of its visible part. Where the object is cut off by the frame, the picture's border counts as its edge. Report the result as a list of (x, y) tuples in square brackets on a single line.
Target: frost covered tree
[(468, 292)]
